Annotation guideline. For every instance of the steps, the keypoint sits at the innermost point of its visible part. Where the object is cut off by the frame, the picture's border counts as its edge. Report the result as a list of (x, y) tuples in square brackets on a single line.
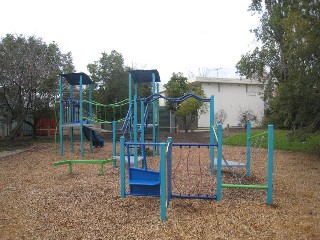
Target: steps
[(144, 182)]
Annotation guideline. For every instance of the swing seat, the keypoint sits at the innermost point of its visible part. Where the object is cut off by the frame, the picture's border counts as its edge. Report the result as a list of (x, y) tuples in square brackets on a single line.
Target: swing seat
[(144, 182)]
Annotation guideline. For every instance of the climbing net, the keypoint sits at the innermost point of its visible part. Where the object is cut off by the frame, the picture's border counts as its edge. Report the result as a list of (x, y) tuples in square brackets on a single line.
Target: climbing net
[(107, 113), (191, 177)]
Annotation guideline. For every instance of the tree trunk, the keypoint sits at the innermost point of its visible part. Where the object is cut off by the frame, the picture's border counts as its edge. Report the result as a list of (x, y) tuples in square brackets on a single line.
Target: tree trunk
[(33, 125), (15, 131)]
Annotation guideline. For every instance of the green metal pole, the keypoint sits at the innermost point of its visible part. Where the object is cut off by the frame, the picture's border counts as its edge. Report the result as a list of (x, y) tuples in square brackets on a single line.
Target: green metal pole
[(270, 163), (163, 182), (243, 186), (248, 162), (61, 117), (122, 168)]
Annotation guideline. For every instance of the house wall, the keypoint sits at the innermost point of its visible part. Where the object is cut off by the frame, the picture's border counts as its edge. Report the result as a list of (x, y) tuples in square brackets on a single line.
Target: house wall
[(233, 98)]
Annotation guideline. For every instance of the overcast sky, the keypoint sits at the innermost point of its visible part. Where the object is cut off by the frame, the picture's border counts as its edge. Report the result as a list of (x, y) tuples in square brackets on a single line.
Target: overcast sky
[(171, 36)]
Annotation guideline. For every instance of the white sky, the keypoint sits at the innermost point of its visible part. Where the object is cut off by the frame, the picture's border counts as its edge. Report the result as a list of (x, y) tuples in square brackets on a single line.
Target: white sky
[(168, 35)]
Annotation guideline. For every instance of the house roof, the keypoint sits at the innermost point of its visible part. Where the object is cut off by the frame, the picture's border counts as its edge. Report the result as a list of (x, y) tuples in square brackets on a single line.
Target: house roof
[(139, 76), (226, 80), (74, 78)]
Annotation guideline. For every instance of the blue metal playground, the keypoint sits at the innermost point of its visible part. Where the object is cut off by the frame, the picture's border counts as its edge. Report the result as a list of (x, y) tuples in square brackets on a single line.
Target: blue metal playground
[(136, 177)]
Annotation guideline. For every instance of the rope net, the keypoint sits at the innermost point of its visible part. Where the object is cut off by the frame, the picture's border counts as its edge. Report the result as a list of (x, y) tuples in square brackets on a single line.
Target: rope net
[(107, 113), (191, 175)]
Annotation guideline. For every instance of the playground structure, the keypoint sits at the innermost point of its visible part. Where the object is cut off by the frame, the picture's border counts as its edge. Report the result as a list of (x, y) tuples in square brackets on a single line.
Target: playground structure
[(76, 112), (159, 181), (143, 180)]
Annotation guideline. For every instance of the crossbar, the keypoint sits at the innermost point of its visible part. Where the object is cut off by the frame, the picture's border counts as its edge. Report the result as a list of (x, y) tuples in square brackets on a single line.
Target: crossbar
[(244, 186), (94, 161)]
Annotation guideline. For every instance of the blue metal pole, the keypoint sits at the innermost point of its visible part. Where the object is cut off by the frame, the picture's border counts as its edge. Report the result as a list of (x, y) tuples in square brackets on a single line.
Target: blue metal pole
[(135, 131), (248, 162), (130, 88), (81, 120), (158, 117), (71, 118), (130, 106), (142, 120), (122, 168), (212, 140), (144, 162), (114, 142), (169, 167), (153, 115), (90, 117), (61, 117), (163, 181), (270, 163), (219, 163)]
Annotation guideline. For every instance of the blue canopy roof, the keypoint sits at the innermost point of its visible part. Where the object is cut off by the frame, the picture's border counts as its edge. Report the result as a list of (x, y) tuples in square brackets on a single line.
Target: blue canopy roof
[(74, 78), (140, 76)]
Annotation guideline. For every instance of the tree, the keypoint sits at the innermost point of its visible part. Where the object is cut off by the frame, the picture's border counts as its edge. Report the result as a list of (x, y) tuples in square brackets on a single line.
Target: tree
[(288, 61), (190, 109), (28, 78), (110, 78), (220, 116), (176, 87)]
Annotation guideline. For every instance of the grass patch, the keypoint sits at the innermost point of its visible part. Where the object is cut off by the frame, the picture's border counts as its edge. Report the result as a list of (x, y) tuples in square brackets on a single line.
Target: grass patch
[(281, 141)]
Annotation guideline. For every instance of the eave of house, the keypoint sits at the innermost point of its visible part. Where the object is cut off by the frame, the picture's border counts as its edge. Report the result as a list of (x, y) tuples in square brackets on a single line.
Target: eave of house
[(200, 80)]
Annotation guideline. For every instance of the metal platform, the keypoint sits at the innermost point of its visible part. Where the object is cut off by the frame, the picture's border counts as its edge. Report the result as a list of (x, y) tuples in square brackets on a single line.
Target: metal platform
[(229, 163), (126, 159), (91, 126)]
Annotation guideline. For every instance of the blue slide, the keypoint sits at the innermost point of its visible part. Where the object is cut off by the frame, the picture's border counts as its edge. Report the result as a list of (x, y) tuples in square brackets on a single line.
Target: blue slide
[(96, 140)]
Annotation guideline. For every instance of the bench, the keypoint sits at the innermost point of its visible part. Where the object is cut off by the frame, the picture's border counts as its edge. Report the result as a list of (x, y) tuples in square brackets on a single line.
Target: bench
[(71, 162)]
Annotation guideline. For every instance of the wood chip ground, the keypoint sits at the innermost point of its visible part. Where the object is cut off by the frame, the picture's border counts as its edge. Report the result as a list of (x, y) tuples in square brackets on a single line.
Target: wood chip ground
[(40, 201)]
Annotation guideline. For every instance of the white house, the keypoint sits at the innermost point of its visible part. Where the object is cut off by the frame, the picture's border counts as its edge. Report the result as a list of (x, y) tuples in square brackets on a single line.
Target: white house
[(233, 96)]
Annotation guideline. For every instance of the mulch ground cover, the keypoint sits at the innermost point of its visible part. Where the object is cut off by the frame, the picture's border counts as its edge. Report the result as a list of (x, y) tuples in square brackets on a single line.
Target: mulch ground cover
[(41, 201)]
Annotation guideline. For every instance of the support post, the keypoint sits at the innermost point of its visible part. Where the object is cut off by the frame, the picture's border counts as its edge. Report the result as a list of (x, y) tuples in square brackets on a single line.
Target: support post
[(122, 169), (163, 181), (142, 125), (81, 119), (212, 140), (71, 118), (219, 163), (61, 117), (90, 117), (270, 163), (114, 142), (135, 131), (154, 137), (248, 162), (169, 169)]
